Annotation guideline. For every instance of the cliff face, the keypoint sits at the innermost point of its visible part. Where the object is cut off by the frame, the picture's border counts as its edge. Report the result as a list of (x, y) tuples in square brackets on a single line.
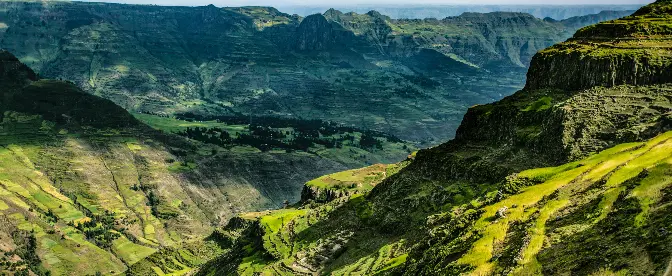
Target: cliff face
[(632, 50), (571, 104)]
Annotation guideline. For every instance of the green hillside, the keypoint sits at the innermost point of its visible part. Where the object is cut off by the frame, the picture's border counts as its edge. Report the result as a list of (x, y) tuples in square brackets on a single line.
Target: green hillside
[(569, 176), (541, 221)]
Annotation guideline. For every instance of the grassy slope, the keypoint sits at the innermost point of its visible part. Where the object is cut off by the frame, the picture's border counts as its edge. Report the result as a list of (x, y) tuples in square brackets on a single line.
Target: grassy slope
[(358, 180), (571, 201), (78, 178)]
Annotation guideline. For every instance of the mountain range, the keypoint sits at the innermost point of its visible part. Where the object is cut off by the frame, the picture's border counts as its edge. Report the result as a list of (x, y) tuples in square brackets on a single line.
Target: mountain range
[(413, 79), (155, 137), (419, 11)]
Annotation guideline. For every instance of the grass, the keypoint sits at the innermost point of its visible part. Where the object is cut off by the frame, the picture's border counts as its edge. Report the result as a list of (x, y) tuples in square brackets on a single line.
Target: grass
[(360, 180), (539, 105), (649, 190), (174, 125), (494, 230), (130, 252), (529, 263), (76, 173), (626, 161), (181, 167)]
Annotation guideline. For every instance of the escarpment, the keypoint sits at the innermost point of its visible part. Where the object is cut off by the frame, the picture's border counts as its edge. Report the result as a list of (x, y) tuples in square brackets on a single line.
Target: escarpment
[(634, 50)]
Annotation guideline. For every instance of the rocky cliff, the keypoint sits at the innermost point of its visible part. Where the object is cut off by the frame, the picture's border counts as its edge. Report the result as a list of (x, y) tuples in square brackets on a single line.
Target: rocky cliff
[(629, 51)]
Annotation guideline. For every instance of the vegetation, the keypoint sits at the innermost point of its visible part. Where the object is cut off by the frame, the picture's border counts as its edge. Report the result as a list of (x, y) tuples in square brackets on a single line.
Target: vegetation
[(347, 145), (92, 190), (551, 180)]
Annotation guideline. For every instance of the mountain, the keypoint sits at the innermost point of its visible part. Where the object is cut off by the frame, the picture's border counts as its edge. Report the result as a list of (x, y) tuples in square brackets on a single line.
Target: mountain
[(570, 175), (412, 79), (419, 11)]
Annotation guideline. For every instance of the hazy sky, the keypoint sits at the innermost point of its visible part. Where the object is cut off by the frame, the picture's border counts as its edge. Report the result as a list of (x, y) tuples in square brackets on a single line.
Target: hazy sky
[(369, 2)]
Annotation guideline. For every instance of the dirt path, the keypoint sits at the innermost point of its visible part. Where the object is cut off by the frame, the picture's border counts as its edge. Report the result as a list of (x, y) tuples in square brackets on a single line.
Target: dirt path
[(668, 271)]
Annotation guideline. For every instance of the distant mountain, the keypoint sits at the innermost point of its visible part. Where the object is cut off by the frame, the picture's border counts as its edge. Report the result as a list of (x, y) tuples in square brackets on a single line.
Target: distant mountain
[(414, 11), (412, 79), (571, 175)]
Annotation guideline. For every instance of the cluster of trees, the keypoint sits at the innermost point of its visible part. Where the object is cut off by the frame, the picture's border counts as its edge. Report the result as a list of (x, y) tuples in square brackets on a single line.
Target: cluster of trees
[(99, 229), (326, 128), (266, 133), (26, 249), (214, 135)]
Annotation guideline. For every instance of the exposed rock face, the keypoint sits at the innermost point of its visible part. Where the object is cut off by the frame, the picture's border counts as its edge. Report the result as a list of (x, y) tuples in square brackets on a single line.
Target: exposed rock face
[(572, 104), (633, 50), (549, 71)]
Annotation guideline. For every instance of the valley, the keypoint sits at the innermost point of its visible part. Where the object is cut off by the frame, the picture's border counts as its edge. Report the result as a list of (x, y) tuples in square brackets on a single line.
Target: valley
[(156, 140)]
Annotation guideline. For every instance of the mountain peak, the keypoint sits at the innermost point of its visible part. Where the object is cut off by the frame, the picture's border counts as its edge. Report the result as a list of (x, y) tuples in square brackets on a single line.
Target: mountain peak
[(332, 13), (316, 33)]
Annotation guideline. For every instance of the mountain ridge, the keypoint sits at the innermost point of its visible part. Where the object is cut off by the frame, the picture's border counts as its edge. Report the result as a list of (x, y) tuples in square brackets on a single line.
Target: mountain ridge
[(242, 61)]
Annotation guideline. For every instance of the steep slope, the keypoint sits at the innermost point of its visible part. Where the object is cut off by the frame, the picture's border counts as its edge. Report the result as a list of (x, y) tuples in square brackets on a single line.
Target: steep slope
[(413, 79), (87, 188), (560, 178)]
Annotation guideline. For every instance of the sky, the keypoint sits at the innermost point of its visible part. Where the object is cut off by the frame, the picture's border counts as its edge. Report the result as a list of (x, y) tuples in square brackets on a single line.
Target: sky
[(277, 3)]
